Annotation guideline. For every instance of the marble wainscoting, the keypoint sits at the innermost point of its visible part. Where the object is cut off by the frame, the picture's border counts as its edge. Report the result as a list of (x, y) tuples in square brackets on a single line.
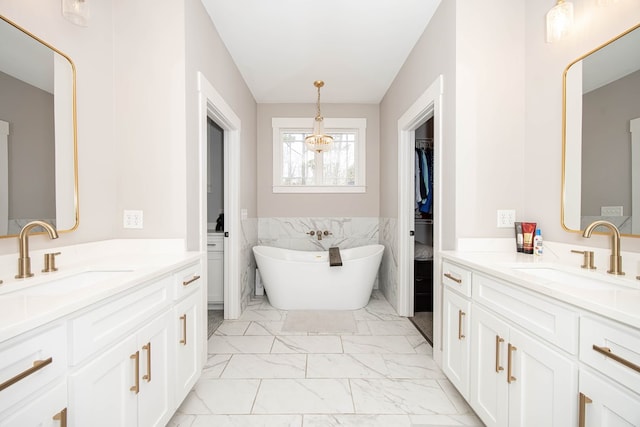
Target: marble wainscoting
[(388, 276), (249, 228), (291, 233)]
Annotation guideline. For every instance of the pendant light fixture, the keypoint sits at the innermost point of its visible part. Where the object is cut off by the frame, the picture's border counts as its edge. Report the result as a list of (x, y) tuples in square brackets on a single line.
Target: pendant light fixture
[(559, 21), (318, 141)]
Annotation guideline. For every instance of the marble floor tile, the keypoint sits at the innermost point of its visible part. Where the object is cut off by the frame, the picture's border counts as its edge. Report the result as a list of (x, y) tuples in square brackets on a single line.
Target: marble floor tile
[(376, 344), (381, 375), (394, 396), (307, 344), (266, 366), (303, 396), (239, 344)]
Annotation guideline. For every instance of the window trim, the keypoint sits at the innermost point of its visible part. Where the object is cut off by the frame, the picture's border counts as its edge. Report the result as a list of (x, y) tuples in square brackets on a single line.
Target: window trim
[(330, 124)]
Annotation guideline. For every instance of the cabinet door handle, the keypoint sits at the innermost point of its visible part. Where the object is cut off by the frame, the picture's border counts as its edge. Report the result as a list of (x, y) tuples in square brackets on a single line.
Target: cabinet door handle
[(607, 352), (136, 385), (183, 318), (582, 416), (147, 348), (498, 341), (510, 350), (450, 276), (461, 314), (62, 417), (37, 365), (188, 282)]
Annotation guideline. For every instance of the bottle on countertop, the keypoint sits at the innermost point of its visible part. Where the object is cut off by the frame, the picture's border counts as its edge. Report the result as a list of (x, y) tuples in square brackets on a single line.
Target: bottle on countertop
[(537, 243)]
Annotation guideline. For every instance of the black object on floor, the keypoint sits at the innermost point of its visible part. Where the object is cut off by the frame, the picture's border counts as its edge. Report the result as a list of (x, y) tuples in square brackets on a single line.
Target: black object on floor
[(335, 260)]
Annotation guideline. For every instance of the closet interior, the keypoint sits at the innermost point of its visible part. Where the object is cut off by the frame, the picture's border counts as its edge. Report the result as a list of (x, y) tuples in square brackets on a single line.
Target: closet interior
[(423, 218)]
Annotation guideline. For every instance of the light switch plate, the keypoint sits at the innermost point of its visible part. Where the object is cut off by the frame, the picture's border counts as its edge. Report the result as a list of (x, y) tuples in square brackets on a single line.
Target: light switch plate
[(133, 219), (506, 218)]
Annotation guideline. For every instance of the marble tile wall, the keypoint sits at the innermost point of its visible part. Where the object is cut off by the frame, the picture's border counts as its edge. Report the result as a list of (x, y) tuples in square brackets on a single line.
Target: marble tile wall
[(388, 275), (291, 233), (249, 228)]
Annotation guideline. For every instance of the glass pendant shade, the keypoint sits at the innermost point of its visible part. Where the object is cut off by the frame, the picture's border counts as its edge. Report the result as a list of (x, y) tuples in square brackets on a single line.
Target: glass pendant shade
[(76, 11), (559, 21), (318, 141)]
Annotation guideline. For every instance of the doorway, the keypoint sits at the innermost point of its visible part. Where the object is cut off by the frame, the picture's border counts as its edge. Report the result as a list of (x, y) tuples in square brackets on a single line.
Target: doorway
[(427, 106), (215, 225)]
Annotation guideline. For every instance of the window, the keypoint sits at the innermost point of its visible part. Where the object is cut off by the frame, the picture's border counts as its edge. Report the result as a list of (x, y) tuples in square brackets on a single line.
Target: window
[(299, 170)]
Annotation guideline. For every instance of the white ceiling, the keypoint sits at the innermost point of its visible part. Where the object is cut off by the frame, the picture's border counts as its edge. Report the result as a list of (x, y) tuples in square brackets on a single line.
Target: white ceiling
[(356, 46)]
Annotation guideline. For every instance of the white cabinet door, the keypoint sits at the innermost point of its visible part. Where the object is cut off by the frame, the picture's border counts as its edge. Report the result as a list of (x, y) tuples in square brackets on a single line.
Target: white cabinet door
[(215, 277), (155, 398), (101, 393), (605, 404), (43, 410), (544, 386), (456, 341), (188, 341), (489, 387)]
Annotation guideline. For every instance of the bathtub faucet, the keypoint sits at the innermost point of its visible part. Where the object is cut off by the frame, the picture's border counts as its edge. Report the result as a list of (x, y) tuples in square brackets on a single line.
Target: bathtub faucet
[(319, 233)]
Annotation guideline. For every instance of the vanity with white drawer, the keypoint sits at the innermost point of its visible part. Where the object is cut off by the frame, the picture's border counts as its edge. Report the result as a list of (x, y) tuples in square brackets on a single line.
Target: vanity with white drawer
[(127, 359), (522, 357)]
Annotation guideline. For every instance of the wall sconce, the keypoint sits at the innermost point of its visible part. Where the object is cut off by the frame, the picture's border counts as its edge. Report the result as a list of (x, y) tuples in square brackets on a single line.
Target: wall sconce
[(559, 21), (76, 11), (318, 141)]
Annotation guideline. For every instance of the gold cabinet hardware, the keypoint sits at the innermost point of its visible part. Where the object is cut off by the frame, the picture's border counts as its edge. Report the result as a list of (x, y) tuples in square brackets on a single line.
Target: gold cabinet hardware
[(607, 352), (498, 341), (452, 277), (147, 376), (62, 417), (50, 262), (587, 261), (183, 318), (461, 314), (188, 282), (510, 350), (582, 415), (136, 385), (37, 365)]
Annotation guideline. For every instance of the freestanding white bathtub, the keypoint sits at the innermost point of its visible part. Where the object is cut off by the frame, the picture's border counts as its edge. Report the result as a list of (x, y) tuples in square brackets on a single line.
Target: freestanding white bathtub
[(302, 280)]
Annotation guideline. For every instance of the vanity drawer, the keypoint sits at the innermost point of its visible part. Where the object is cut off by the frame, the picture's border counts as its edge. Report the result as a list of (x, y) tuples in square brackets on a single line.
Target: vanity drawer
[(549, 320), (456, 277), (107, 323), (187, 280), (31, 361), (611, 348)]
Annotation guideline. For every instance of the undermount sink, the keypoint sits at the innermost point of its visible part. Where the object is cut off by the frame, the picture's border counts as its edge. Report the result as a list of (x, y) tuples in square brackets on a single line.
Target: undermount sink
[(71, 283), (574, 280)]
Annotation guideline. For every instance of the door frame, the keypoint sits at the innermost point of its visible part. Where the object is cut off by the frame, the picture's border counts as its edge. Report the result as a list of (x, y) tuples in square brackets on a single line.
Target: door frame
[(213, 105), (428, 103)]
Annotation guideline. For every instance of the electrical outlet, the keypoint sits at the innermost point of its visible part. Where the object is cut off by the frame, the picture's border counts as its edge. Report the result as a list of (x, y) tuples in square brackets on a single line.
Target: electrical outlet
[(506, 218), (132, 219)]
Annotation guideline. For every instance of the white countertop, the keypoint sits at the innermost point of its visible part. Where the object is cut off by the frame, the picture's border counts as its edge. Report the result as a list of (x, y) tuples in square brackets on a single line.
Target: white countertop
[(23, 308), (621, 304)]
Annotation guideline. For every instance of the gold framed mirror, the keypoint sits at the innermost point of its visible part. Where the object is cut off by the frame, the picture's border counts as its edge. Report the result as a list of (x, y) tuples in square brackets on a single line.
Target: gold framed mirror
[(38, 133), (600, 150)]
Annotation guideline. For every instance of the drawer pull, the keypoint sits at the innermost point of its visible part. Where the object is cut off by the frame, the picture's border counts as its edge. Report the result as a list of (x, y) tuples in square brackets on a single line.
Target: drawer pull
[(37, 365), (582, 416), (183, 318), (498, 341), (607, 352), (62, 417), (461, 314), (450, 276), (136, 385), (147, 376), (188, 282), (510, 350)]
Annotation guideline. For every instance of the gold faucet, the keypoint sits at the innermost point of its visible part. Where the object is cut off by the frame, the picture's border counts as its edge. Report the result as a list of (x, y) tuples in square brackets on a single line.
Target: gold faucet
[(615, 260), (24, 262)]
